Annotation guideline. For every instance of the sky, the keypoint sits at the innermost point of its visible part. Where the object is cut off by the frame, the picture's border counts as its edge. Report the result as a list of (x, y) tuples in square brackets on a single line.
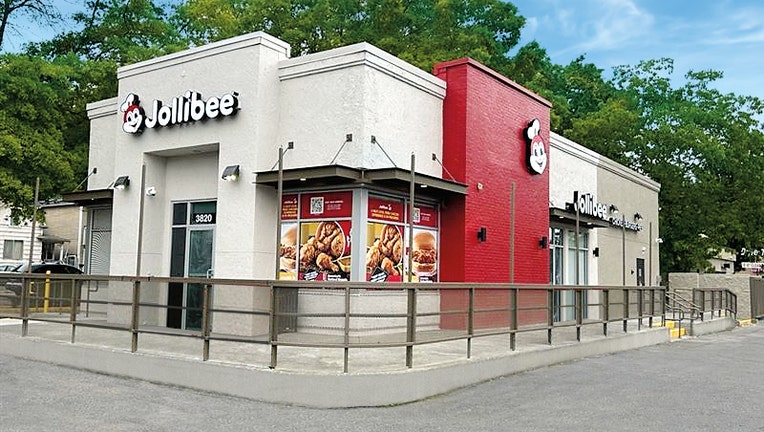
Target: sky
[(723, 35)]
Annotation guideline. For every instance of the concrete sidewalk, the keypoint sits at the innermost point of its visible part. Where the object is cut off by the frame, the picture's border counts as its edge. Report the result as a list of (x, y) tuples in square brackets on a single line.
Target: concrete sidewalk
[(313, 376)]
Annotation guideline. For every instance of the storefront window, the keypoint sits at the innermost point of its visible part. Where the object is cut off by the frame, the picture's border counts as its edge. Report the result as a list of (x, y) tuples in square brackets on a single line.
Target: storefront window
[(384, 240), (316, 245), (425, 244)]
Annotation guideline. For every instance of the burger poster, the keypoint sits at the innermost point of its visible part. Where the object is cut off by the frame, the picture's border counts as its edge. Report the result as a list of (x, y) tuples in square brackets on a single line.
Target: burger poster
[(424, 255)]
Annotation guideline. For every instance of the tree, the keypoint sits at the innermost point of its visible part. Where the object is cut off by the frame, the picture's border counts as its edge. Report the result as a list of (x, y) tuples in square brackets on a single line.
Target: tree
[(35, 8), (422, 32), (116, 31), (707, 151), (35, 98)]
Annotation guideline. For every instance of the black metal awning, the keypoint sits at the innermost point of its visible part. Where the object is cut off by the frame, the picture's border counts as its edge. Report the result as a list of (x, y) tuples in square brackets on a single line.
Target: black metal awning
[(337, 175), (90, 197), (569, 217)]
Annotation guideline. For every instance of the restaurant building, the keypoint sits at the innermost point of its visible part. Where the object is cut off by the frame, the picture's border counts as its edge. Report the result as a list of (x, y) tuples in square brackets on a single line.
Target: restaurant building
[(233, 160)]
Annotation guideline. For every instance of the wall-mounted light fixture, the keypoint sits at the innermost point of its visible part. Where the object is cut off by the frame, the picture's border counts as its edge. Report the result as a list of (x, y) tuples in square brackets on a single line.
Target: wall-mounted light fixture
[(637, 216), (151, 191), (231, 173), (596, 251), (613, 209), (482, 234), (543, 242), (122, 182)]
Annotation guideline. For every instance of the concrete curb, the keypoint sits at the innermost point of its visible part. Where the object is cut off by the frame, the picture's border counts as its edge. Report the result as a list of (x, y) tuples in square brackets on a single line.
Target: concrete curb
[(698, 328), (321, 390)]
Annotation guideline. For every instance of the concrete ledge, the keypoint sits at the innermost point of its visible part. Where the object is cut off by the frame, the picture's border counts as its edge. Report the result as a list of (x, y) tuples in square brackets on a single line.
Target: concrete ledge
[(321, 390), (716, 325)]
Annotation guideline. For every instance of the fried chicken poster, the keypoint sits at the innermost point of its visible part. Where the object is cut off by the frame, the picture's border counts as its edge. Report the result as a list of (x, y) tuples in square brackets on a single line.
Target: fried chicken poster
[(384, 253), (325, 251)]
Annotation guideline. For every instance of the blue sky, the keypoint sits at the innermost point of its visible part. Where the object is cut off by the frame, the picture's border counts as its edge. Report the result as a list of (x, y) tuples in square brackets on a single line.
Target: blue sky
[(724, 35)]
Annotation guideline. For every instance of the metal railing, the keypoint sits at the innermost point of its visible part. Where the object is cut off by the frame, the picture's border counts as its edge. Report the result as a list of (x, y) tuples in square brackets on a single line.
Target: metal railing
[(343, 315), (701, 302)]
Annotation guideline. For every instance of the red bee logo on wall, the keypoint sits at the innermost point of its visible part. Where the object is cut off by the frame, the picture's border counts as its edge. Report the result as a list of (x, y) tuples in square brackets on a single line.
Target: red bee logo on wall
[(133, 117), (537, 158)]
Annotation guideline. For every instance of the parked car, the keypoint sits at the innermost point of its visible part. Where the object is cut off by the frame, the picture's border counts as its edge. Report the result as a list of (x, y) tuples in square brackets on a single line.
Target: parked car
[(13, 283)]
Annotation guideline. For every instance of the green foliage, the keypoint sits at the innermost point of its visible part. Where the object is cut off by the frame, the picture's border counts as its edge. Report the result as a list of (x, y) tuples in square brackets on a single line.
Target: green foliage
[(707, 151), (422, 32), (35, 99), (117, 31), (704, 147)]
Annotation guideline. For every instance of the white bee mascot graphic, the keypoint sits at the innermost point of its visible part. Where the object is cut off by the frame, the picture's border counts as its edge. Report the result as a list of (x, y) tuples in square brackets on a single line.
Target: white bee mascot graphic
[(537, 158), (133, 117)]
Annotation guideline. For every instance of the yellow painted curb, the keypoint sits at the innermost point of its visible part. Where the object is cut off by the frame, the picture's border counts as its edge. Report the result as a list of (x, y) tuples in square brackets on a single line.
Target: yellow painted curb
[(746, 322)]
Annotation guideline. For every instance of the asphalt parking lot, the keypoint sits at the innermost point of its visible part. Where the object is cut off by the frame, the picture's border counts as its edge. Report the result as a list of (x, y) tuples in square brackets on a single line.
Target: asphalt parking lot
[(713, 382)]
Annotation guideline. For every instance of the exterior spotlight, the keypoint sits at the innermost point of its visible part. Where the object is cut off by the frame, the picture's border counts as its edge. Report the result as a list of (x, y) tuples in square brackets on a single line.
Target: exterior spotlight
[(613, 209), (231, 173), (122, 182), (151, 191), (637, 216)]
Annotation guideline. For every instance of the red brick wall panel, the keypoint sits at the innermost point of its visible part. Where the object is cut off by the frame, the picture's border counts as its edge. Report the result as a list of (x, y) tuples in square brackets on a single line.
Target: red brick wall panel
[(484, 121)]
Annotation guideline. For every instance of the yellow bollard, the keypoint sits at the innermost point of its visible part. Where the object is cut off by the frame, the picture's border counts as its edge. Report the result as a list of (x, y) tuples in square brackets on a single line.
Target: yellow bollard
[(47, 292)]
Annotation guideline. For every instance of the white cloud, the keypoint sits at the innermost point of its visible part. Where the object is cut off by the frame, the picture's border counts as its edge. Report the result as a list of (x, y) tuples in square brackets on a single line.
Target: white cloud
[(616, 23)]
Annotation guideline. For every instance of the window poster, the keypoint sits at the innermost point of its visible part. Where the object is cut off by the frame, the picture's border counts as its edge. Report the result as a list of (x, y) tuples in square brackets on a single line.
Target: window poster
[(424, 257), (384, 240), (424, 254), (325, 250), (288, 244), (384, 253)]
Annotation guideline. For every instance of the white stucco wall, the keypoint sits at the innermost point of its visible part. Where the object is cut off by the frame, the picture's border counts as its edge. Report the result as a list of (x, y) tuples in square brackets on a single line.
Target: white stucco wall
[(574, 167), (360, 90)]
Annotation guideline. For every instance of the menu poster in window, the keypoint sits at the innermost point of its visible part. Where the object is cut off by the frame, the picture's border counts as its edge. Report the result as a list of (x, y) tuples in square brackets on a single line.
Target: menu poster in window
[(288, 251), (424, 256), (424, 216), (329, 205), (289, 207), (385, 210), (384, 253), (325, 251)]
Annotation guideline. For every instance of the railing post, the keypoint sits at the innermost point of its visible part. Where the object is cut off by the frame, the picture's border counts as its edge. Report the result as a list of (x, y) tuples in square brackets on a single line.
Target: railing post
[(206, 317), (579, 300), (549, 314), (625, 309), (606, 311), (136, 313), (470, 321), (346, 356), (274, 332), (73, 308), (410, 326), (513, 320), (640, 308), (652, 306), (25, 282)]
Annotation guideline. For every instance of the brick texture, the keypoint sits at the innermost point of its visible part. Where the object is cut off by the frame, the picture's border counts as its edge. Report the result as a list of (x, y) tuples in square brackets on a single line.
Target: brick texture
[(484, 119)]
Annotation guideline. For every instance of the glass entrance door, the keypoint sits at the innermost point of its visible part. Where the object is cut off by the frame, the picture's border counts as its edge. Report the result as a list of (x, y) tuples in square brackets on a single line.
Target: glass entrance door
[(200, 248), (191, 255)]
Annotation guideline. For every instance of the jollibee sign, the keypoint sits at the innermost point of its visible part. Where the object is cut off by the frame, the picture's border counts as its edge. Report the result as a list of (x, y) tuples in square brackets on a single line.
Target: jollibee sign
[(190, 107)]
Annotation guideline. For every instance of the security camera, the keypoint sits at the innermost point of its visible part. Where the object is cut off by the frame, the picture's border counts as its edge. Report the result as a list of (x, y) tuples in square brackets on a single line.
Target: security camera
[(151, 191)]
